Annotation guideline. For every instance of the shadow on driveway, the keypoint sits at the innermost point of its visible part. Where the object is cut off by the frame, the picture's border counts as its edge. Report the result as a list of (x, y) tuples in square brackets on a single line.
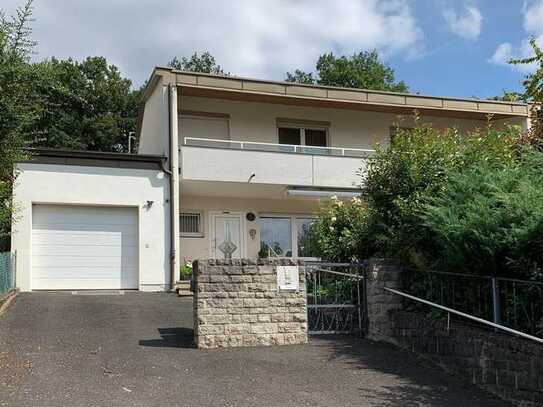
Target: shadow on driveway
[(416, 382), (171, 338)]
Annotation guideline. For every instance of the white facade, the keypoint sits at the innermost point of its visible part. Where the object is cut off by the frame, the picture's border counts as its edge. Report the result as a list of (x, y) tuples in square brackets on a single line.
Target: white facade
[(106, 197), (246, 164), (255, 158)]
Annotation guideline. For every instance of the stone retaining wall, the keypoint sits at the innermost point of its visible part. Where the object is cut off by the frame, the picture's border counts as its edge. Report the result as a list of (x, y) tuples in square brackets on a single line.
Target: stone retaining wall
[(238, 303), (508, 366)]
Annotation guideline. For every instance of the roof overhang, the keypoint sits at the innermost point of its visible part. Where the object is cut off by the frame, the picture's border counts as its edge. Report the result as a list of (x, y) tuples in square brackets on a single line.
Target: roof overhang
[(254, 90)]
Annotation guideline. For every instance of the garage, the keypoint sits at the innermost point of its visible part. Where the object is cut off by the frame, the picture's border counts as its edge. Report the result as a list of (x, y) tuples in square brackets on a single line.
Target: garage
[(84, 247)]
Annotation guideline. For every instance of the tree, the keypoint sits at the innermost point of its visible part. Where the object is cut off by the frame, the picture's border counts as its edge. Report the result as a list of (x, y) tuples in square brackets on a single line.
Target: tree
[(18, 106), (508, 97), (87, 105), (533, 87), (204, 63), (364, 70)]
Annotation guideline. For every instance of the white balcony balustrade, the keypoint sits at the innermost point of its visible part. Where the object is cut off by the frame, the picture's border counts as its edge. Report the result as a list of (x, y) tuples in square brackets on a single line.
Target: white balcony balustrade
[(267, 163)]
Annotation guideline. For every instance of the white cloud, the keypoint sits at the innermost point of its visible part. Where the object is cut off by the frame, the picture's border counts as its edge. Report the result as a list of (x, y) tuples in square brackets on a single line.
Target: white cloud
[(262, 38), (533, 25), (468, 25)]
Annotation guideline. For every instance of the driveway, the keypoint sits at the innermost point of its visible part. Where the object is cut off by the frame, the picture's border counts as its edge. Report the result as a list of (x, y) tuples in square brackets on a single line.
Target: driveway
[(59, 349)]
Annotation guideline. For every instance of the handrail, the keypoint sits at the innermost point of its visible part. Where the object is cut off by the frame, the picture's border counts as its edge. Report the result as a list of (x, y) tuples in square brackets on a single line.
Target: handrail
[(295, 148), (468, 316), (487, 277)]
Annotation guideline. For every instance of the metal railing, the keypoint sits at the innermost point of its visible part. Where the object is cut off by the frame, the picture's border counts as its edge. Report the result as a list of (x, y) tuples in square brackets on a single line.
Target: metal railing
[(278, 148), (464, 315), (513, 303), (8, 266)]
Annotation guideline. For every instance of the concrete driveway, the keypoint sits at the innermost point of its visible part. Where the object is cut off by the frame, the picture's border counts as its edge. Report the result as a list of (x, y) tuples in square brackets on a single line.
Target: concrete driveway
[(58, 349)]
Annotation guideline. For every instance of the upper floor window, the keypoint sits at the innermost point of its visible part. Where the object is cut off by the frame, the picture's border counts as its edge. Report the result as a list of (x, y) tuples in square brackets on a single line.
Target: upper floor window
[(208, 125), (303, 133)]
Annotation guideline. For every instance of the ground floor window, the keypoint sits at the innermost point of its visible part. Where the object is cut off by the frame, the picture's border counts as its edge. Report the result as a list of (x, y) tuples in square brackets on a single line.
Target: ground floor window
[(286, 236)]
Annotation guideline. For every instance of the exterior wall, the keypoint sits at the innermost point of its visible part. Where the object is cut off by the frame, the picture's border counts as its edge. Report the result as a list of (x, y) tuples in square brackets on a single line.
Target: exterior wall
[(213, 164), (154, 128), (251, 121), (238, 303), (199, 247), (510, 367), (78, 185)]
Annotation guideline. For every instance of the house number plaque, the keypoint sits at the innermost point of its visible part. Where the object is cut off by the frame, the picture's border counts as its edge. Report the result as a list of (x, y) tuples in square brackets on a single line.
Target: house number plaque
[(288, 278)]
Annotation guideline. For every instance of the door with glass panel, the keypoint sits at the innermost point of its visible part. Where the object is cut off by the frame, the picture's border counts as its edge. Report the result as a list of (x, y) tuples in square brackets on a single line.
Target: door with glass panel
[(226, 236)]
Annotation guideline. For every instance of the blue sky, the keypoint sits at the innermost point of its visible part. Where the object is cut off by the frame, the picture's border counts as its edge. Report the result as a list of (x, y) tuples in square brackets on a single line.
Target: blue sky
[(439, 47)]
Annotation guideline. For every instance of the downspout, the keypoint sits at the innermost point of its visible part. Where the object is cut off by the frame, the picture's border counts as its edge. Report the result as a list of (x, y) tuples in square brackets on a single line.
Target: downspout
[(174, 182)]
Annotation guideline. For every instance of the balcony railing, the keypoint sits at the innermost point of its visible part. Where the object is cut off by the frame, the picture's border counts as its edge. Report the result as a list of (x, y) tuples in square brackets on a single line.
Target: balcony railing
[(278, 148)]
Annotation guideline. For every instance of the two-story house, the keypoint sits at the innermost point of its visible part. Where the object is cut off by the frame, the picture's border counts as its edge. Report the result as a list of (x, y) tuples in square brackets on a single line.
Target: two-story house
[(226, 166)]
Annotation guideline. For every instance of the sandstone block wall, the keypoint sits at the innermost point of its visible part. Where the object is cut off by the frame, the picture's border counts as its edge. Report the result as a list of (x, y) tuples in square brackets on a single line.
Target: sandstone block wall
[(238, 303)]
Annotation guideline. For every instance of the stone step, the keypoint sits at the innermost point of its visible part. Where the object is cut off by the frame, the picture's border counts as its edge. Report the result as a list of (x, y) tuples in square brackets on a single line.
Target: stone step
[(183, 288)]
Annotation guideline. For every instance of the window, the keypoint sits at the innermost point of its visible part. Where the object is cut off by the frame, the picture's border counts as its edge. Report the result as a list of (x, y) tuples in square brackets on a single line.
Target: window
[(275, 237), (306, 245), (286, 236), (303, 133), (204, 125), (190, 224)]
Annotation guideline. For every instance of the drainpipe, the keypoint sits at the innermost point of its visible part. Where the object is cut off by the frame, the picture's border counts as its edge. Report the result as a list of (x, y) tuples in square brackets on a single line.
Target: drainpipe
[(174, 183)]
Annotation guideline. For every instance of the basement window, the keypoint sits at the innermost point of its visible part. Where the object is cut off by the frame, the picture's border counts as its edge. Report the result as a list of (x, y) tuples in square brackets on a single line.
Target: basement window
[(190, 224)]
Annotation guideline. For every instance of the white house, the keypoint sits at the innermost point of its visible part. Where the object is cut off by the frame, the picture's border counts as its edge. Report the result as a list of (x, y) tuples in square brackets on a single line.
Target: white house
[(226, 166)]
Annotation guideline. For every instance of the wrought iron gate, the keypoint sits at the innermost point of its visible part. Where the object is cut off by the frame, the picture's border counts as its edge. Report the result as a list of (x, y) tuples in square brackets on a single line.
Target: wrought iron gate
[(336, 300)]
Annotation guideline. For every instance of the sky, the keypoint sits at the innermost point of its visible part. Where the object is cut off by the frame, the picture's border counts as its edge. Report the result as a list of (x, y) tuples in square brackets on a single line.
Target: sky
[(438, 47)]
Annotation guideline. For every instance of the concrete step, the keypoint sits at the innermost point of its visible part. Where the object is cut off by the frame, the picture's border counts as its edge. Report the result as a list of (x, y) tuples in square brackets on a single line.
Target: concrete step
[(183, 288)]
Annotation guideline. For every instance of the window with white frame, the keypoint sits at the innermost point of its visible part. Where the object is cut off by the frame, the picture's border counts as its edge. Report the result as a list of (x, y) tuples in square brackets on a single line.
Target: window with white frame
[(303, 133), (286, 236), (190, 224)]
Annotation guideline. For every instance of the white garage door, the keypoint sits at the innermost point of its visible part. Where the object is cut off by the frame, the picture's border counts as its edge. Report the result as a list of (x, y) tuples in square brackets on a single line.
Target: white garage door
[(84, 247)]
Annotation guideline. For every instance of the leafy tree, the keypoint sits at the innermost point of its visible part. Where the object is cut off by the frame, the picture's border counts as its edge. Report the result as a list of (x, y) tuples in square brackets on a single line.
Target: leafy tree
[(18, 107), (204, 63), (87, 105), (364, 70), (533, 85), (509, 97), (301, 77)]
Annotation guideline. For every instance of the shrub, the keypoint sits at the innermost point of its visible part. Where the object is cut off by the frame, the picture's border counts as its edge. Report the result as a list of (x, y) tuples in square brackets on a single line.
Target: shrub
[(488, 218)]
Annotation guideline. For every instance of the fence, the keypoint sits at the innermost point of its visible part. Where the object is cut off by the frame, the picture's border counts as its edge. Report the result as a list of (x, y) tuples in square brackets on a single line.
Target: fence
[(517, 304), (8, 266), (335, 298)]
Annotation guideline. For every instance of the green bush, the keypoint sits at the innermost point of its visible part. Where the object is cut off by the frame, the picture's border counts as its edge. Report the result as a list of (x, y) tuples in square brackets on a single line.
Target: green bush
[(488, 219), (405, 184)]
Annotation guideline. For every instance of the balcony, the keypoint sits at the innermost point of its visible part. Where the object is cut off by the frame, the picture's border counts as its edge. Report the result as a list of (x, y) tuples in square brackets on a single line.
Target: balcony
[(267, 163)]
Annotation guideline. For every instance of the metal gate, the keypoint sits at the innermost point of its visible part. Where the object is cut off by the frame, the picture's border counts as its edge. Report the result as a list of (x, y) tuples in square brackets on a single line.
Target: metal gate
[(336, 300)]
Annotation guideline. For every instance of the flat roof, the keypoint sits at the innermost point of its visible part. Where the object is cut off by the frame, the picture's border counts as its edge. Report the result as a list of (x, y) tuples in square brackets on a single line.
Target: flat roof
[(94, 158), (240, 88)]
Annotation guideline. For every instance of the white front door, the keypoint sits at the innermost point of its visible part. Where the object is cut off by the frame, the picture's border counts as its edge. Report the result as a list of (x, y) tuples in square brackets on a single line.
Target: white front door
[(226, 236)]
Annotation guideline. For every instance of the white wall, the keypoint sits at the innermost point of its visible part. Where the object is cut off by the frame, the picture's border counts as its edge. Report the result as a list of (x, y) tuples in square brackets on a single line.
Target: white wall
[(199, 247), (212, 164), (252, 121), (81, 185), (154, 128)]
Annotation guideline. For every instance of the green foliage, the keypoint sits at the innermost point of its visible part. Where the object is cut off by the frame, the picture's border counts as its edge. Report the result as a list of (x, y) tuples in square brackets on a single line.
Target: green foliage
[(86, 105), (416, 165), (509, 97), (398, 185), (18, 107), (364, 70), (301, 77), (185, 271), (338, 232), (489, 218), (204, 63)]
